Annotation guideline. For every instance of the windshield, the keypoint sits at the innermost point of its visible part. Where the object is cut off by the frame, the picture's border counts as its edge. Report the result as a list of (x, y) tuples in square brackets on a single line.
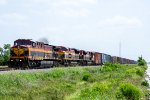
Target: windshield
[(22, 43)]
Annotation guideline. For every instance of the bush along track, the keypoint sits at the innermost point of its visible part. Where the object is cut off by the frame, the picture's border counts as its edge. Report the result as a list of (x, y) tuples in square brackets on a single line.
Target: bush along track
[(108, 82)]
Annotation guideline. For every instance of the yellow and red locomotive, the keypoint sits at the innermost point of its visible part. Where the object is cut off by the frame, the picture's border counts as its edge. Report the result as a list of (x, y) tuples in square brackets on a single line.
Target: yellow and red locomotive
[(27, 53)]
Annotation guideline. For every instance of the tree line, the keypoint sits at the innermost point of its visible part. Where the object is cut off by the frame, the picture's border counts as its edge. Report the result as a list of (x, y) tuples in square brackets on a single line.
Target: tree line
[(4, 54)]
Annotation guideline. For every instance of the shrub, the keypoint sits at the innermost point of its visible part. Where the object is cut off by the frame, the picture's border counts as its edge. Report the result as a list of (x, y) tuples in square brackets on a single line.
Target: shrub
[(140, 72), (107, 64), (129, 91), (100, 88), (145, 83), (86, 77), (108, 67), (97, 90), (57, 73), (141, 61)]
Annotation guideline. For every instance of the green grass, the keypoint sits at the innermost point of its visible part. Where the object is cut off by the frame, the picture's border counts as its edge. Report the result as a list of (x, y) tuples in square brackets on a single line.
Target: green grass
[(108, 82)]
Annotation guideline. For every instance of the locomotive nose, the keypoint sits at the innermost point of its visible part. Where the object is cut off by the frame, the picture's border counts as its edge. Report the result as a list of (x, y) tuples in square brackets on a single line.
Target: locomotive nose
[(18, 51)]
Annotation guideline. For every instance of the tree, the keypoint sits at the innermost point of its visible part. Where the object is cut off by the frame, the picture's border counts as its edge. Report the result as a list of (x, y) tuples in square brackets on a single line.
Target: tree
[(4, 54), (1, 60), (7, 46), (141, 61), (1, 56), (1, 51)]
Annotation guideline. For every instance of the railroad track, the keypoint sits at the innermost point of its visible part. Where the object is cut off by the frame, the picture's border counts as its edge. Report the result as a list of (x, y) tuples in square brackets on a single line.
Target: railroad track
[(6, 69)]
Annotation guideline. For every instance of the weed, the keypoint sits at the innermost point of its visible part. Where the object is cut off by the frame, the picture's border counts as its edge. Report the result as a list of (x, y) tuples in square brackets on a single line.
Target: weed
[(145, 83), (129, 91), (108, 67), (140, 72), (86, 77)]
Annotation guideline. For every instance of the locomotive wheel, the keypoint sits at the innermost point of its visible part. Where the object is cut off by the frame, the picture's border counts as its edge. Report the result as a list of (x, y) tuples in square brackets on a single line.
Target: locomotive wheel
[(34, 64), (56, 64)]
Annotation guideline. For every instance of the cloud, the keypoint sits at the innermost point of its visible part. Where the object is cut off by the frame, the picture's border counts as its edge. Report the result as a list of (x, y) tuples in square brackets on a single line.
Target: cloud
[(65, 8), (52, 30), (75, 13), (74, 2), (80, 27), (3, 2), (13, 16), (121, 21), (13, 19), (58, 3)]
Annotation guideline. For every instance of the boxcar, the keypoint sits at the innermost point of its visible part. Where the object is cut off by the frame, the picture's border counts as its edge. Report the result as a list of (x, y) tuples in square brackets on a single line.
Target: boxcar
[(106, 58), (97, 58)]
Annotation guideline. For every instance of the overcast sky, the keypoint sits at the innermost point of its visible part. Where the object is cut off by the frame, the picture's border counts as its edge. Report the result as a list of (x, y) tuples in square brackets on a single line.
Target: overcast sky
[(93, 25)]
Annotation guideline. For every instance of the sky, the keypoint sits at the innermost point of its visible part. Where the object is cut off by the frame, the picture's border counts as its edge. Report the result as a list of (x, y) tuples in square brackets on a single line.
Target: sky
[(92, 25)]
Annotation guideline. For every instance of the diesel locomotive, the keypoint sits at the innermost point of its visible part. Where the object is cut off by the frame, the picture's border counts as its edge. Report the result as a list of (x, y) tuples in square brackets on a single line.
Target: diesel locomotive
[(26, 53)]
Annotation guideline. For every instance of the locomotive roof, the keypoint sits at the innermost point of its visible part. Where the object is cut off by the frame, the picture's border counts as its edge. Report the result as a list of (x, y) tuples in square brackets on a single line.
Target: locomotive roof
[(24, 40)]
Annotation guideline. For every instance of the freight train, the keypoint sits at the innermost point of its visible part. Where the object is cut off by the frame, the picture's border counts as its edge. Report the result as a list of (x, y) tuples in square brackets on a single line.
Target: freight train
[(26, 53)]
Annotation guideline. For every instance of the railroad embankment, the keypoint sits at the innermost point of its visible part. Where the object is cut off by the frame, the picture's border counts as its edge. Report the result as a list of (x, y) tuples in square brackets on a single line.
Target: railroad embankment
[(109, 82)]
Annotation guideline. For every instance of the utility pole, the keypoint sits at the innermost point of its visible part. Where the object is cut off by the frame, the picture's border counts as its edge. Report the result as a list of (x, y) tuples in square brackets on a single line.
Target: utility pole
[(120, 49)]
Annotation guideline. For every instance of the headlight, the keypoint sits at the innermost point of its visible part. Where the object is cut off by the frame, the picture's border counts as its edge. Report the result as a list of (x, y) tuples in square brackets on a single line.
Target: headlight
[(25, 49), (20, 60), (11, 60)]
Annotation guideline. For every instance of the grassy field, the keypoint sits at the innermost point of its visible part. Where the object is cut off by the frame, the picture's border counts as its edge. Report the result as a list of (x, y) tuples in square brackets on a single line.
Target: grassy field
[(109, 82)]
